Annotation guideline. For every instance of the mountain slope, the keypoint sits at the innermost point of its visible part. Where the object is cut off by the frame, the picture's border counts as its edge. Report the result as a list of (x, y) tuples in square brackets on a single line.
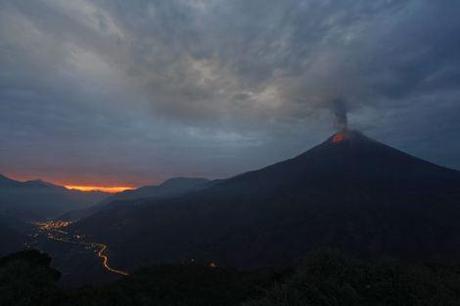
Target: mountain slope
[(170, 188), (38, 200), (350, 192), (12, 240), (173, 187)]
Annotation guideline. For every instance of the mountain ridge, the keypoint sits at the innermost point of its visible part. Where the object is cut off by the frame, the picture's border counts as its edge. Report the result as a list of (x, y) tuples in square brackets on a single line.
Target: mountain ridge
[(172, 187), (355, 194), (35, 200)]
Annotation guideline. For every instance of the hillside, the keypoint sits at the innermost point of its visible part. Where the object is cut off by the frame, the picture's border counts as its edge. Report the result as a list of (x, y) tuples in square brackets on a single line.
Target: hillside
[(323, 278), (11, 240), (350, 192), (173, 187), (39, 200)]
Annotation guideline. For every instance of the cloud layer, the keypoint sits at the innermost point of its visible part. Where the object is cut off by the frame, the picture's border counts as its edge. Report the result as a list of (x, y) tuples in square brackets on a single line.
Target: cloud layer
[(138, 91)]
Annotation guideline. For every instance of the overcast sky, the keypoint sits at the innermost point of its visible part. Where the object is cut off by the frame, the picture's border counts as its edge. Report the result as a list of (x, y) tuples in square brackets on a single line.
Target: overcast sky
[(134, 92)]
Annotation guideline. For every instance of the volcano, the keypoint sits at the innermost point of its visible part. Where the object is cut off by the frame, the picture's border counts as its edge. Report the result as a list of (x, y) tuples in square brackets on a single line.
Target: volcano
[(350, 193)]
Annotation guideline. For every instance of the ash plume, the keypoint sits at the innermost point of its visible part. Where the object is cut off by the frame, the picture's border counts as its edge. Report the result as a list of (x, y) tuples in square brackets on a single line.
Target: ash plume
[(339, 108)]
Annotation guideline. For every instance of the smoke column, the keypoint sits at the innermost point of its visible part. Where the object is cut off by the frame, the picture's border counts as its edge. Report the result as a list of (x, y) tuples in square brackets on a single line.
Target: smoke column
[(339, 109)]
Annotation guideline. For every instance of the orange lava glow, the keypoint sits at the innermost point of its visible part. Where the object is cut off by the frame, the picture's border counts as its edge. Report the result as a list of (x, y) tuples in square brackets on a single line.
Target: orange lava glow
[(339, 137), (109, 189)]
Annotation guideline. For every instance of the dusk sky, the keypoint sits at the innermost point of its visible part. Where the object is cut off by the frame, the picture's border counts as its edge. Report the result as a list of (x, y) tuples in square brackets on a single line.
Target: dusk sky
[(99, 92)]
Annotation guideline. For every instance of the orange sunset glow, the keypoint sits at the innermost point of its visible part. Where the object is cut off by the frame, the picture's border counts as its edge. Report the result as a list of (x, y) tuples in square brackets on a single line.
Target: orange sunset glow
[(109, 189)]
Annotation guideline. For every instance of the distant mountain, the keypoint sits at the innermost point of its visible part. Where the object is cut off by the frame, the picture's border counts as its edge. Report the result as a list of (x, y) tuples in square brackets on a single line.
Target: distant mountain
[(170, 188), (5, 181), (173, 187), (38, 200), (350, 192)]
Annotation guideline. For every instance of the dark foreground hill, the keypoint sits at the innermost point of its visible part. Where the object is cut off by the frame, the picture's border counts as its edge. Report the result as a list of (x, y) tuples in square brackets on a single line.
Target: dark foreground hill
[(325, 278), (350, 192), (11, 240), (39, 200)]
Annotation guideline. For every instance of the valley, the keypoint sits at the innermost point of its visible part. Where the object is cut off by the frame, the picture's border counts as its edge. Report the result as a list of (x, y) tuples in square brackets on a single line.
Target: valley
[(328, 205), (69, 248)]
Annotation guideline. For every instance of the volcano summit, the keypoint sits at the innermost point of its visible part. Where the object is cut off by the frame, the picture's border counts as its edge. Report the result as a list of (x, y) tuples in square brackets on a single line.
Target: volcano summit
[(350, 192)]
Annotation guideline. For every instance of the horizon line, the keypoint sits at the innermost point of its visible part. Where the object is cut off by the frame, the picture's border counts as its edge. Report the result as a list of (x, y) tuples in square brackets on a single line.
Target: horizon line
[(92, 188)]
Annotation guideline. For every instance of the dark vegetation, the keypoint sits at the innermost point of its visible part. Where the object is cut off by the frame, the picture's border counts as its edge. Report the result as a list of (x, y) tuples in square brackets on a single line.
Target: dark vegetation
[(333, 279), (27, 279), (324, 278)]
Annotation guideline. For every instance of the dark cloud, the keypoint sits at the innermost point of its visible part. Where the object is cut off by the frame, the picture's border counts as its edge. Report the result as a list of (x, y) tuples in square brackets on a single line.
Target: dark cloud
[(143, 90)]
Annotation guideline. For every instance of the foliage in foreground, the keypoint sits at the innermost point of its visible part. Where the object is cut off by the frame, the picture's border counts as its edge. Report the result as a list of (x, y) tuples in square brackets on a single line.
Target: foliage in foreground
[(332, 279), (324, 279)]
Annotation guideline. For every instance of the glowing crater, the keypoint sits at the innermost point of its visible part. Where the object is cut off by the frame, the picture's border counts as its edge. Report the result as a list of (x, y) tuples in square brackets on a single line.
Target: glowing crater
[(339, 137)]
